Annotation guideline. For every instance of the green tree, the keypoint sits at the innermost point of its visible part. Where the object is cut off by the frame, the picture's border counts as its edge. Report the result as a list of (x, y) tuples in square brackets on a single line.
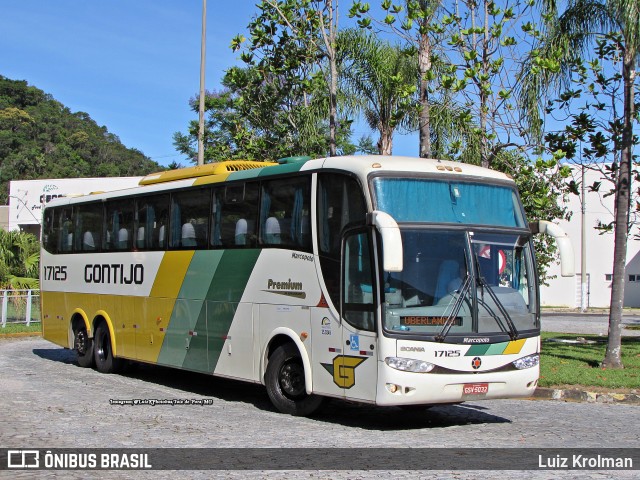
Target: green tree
[(294, 41), (382, 77), (412, 21), (19, 260), (41, 138), (613, 27), (260, 116)]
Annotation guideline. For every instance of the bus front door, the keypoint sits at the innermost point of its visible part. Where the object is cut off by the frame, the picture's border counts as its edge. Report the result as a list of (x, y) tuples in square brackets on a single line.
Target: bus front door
[(358, 366)]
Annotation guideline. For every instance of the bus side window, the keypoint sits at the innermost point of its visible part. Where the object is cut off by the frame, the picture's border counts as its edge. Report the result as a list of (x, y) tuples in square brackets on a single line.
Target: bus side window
[(152, 215), (88, 229), (285, 212), (340, 202), (118, 233), (358, 287), (234, 213), (63, 229), (49, 230), (190, 218)]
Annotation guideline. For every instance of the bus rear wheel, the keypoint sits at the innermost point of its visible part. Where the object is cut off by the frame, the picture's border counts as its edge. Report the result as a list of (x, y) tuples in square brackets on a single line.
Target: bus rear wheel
[(285, 383), (83, 345), (103, 353)]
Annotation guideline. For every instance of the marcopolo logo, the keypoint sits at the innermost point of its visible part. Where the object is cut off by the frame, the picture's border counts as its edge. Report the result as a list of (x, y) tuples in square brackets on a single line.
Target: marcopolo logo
[(288, 288)]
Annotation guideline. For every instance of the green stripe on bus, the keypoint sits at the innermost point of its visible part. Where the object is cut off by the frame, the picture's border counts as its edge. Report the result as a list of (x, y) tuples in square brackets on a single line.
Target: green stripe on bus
[(203, 313), (187, 328), (476, 350), (286, 168), (497, 348), (225, 292)]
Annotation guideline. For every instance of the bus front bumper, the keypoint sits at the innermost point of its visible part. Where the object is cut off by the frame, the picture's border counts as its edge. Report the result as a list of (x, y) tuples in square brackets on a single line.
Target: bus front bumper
[(396, 387)]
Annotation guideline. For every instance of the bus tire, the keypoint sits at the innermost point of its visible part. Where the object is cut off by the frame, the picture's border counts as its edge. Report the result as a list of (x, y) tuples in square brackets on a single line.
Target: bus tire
[(83, 345), (285, 383), (103, 353)]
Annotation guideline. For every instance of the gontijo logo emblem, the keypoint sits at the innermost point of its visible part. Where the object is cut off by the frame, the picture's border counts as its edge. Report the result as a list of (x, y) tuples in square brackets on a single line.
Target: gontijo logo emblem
[(343, 370)]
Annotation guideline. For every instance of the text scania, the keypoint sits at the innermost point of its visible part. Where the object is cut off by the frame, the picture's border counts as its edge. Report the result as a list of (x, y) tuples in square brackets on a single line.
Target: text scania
[(114, 273)]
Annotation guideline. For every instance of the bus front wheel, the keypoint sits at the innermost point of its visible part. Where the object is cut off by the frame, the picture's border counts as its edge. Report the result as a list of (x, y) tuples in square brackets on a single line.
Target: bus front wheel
[(103, 353), (285, 383), (83, 345)]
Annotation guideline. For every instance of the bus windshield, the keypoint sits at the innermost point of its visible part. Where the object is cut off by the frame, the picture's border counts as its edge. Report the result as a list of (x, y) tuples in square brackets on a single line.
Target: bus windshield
[(420, 199), (461, 282)]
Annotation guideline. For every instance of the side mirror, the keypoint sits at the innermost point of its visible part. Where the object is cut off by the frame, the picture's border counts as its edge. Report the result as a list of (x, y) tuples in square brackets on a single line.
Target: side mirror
[(391, 240), (567, 259)]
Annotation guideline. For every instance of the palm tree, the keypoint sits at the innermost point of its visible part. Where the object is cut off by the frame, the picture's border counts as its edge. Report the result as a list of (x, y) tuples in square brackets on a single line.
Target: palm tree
[(573, 33), (19, 260), (382, 79)]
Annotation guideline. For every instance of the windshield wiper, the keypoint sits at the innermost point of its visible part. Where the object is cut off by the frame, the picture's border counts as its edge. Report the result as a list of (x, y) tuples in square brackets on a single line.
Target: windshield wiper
[(466, 286), (513, 331)]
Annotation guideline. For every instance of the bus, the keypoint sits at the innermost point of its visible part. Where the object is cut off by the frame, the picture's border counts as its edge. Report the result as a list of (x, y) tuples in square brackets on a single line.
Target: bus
[(391, 281)]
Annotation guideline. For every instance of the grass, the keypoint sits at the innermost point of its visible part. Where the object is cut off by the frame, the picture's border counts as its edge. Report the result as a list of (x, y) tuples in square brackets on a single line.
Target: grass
[(578, 364), (13, 328)]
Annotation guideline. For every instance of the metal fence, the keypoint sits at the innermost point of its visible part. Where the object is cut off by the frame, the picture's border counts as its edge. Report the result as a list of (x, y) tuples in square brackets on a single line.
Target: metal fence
[(20, 306)]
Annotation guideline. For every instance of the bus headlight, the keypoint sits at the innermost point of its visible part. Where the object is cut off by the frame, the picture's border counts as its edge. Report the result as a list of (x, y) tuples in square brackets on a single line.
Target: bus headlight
[(409, 364), (527, 362)]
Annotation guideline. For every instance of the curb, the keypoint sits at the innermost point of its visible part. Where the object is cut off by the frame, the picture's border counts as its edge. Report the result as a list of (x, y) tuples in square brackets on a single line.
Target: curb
[(575, 395), (20, 334)]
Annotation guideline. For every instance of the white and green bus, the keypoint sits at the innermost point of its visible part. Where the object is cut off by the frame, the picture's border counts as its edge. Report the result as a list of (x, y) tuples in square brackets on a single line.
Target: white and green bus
[(384, 280)]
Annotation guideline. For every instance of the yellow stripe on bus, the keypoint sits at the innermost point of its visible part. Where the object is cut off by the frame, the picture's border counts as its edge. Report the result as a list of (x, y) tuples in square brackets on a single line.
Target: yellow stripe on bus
[(514, 347), (171, 274)]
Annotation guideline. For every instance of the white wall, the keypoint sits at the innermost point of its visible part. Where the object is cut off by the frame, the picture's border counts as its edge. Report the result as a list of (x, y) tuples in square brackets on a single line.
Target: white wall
[(28, 197), (599, 253)]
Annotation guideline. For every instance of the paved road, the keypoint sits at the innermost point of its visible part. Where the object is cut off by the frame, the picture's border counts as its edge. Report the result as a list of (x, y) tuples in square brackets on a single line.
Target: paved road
[(592, 323), (49, 402)]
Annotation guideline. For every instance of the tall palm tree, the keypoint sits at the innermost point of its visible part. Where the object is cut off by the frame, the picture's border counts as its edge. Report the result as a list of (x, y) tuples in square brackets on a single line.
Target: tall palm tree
[(574, 33), (382, 78)]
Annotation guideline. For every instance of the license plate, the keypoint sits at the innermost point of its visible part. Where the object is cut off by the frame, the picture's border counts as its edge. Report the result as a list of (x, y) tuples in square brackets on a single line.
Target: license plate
[(475, 388)]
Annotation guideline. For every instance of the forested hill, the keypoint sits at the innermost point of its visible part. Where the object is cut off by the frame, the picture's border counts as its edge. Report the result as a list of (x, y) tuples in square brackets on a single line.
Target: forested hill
[(41, 138)]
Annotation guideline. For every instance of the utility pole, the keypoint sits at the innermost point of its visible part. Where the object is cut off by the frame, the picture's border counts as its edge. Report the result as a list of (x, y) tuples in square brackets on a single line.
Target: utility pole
[(202, 63), (583, 252)]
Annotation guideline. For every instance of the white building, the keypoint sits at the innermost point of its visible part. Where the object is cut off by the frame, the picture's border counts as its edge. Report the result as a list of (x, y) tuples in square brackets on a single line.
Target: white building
[(27, 198), (566, 291)]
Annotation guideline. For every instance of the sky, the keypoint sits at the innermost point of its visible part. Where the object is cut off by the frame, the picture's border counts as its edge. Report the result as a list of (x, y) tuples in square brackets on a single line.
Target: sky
[(132, 65)]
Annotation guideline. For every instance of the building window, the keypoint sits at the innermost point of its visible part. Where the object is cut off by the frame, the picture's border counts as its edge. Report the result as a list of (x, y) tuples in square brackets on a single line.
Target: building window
[(634, 278), (608, 277)]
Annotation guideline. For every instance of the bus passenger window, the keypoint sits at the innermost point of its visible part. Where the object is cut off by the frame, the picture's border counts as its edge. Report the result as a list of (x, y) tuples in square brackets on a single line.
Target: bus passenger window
[(118, 235), (190, 218), (59, 230), (49, 230), (88, 228), (284, 213), (152, 214), (340, 202), (234, 213), (358, 286)]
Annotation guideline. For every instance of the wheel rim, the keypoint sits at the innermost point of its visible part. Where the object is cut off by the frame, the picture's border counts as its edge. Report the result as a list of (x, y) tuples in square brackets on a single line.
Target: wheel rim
[(291, 379), (102, 346), (82, 341)]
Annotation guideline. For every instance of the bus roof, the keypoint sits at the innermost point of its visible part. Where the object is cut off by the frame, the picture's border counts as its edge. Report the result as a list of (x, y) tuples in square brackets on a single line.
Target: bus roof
[(360, 165)]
